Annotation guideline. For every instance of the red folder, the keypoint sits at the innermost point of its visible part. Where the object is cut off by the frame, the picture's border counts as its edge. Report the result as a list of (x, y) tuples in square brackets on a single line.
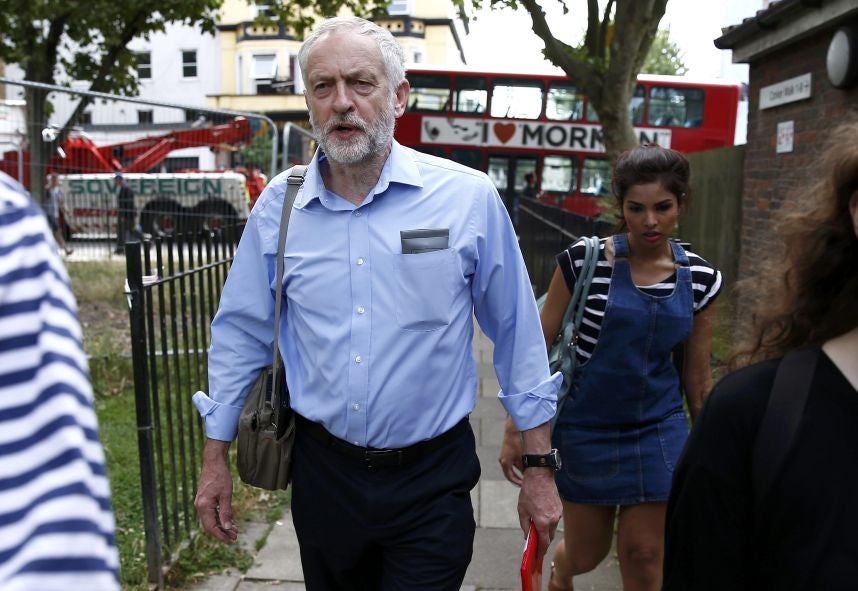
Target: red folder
[(531, 568)]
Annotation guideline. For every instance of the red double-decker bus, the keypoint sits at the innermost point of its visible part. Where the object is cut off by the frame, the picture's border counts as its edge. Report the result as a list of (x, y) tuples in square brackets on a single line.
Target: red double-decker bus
[(509, 125)]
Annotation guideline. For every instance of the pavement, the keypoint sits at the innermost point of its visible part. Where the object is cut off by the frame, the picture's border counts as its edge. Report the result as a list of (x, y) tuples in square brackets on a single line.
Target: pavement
[(498, 542)]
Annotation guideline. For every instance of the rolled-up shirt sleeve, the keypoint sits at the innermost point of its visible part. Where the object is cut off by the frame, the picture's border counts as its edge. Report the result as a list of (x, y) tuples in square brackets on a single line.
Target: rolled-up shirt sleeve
[(506, 310), (242, 332)]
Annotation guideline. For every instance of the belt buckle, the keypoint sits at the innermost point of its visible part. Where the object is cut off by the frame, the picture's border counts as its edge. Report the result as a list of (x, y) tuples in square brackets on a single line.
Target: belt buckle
[(383, 458)]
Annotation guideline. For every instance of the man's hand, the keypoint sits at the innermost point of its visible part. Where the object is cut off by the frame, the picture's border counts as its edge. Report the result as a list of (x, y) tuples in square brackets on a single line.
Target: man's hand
[(510, 453), (538, 501), (214, 493)]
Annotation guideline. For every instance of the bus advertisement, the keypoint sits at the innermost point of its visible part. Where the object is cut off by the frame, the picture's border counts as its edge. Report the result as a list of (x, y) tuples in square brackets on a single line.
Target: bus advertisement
[(509, 125)]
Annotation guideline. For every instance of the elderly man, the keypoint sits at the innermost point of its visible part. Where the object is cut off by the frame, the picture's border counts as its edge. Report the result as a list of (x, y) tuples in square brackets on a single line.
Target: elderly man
[(376, 337)]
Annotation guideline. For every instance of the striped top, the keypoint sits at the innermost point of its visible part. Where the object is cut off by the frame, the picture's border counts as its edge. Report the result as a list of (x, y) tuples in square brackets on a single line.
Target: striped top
[(706, 282), (56, 524)]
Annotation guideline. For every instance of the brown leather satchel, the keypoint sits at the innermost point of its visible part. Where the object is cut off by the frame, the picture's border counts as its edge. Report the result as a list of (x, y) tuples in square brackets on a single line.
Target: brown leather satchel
[(266, 425)]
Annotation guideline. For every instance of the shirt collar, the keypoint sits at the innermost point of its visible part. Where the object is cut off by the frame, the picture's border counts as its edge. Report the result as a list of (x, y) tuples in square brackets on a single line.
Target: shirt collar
[(398, 168)]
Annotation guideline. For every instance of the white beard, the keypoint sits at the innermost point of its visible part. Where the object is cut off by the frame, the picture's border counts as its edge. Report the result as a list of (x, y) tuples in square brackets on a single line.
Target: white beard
[(371, 140)]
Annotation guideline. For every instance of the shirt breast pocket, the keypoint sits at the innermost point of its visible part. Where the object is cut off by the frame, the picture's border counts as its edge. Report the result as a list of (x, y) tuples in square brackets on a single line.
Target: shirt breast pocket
[(424, 289)]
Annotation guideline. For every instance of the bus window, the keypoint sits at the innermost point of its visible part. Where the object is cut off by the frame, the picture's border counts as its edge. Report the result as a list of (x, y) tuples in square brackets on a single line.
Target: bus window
[(507, 173), (429, 92), (498, 167), (559, 173), (636, 107), (596, 176), (676, 107), (468, 157), (471, 95), (564, 102), (523, 166), (517, 99)]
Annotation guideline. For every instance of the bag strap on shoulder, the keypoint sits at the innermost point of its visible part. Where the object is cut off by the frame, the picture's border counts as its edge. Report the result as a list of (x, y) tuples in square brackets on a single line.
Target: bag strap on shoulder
[(575, 310), (780, 423), (293, 183)]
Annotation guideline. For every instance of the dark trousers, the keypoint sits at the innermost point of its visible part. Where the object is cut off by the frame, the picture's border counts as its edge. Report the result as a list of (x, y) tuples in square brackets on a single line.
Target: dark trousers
[(124, 231), (407, 528)]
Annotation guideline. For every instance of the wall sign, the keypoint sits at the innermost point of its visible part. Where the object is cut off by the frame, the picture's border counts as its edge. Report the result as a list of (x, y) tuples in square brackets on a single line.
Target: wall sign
[(786, 133), (788, 91)]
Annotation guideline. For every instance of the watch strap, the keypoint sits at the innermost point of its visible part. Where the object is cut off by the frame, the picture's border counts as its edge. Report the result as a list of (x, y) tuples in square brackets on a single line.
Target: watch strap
[(549, 460)]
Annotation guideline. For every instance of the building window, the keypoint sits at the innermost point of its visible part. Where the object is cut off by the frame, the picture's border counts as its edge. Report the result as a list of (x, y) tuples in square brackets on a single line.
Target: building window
[(263, 72), (86, 118), (144, 116), (399, 7), (416, 55), (189, 63), (144, 65), (263, 10)]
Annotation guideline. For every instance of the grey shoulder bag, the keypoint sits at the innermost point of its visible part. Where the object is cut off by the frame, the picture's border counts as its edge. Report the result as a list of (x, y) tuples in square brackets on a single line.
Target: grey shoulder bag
[(562, 357), (266, 425)]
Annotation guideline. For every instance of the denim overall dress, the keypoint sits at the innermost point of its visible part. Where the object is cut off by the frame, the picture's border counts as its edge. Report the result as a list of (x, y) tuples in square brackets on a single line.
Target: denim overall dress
[(622, 428)]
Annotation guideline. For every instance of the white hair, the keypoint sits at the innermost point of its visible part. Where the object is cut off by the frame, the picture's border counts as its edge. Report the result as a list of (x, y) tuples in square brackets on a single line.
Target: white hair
[(391, 52)]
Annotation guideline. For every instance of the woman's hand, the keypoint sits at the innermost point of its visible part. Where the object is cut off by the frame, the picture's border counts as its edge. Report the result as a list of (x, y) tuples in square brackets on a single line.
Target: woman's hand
[(510, 454)]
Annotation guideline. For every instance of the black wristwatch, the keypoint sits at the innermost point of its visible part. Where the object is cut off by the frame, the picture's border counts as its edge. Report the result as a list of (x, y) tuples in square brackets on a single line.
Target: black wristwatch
[(549, 460)]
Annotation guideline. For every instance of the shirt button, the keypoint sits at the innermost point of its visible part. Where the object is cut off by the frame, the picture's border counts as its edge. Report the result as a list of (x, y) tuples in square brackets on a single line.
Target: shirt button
[(357, 214), (360, 310), (358, 359), (355, 406), (360, 261)]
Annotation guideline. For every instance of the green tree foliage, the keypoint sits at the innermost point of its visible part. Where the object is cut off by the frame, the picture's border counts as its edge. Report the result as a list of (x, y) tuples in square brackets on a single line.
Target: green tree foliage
[(58, 41), (606, 63), (664, 56), (258, 153)]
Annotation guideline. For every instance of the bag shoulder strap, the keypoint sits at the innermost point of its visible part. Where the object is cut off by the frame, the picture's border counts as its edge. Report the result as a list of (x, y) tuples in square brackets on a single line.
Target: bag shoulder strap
[(781, 421), (575, 310), (293, 183)]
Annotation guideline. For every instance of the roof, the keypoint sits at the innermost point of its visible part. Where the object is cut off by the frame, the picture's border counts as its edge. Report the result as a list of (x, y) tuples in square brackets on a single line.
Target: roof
[(553, 73), (782, 23)]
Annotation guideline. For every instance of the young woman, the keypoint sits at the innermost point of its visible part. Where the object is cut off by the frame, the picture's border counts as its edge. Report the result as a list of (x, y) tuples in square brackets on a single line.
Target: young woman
[(804, 535), (622, 427)]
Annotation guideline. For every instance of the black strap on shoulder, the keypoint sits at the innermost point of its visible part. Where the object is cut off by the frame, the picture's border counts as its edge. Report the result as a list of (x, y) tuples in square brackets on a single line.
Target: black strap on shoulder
[(293, 183), (781, 420)]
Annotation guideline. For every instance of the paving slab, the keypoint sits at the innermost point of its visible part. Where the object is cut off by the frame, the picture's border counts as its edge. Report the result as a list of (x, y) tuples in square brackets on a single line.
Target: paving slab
[(280, 558)]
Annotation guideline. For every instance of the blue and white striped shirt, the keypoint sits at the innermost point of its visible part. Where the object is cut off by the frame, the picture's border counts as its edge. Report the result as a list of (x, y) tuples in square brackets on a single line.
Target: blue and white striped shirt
[(56, 524)]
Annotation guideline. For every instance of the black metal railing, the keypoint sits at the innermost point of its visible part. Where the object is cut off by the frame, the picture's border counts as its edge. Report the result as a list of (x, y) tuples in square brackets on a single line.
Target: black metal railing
[(544, 231), (174, 285)]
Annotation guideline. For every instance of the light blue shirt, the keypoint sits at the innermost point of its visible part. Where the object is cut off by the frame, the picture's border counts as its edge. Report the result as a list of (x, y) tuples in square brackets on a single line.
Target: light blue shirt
[(377, 344)]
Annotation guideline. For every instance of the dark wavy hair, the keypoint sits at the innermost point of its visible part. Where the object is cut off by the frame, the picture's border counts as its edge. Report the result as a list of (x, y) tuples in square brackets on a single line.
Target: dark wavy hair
[(651, 164), (812, 293)]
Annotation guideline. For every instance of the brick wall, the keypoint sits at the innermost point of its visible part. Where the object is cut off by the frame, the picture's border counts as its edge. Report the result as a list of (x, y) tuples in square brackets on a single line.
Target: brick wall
[(773, 182)]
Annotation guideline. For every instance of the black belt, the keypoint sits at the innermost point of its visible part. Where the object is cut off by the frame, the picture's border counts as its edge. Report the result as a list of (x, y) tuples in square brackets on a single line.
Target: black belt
[(379, 458)]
